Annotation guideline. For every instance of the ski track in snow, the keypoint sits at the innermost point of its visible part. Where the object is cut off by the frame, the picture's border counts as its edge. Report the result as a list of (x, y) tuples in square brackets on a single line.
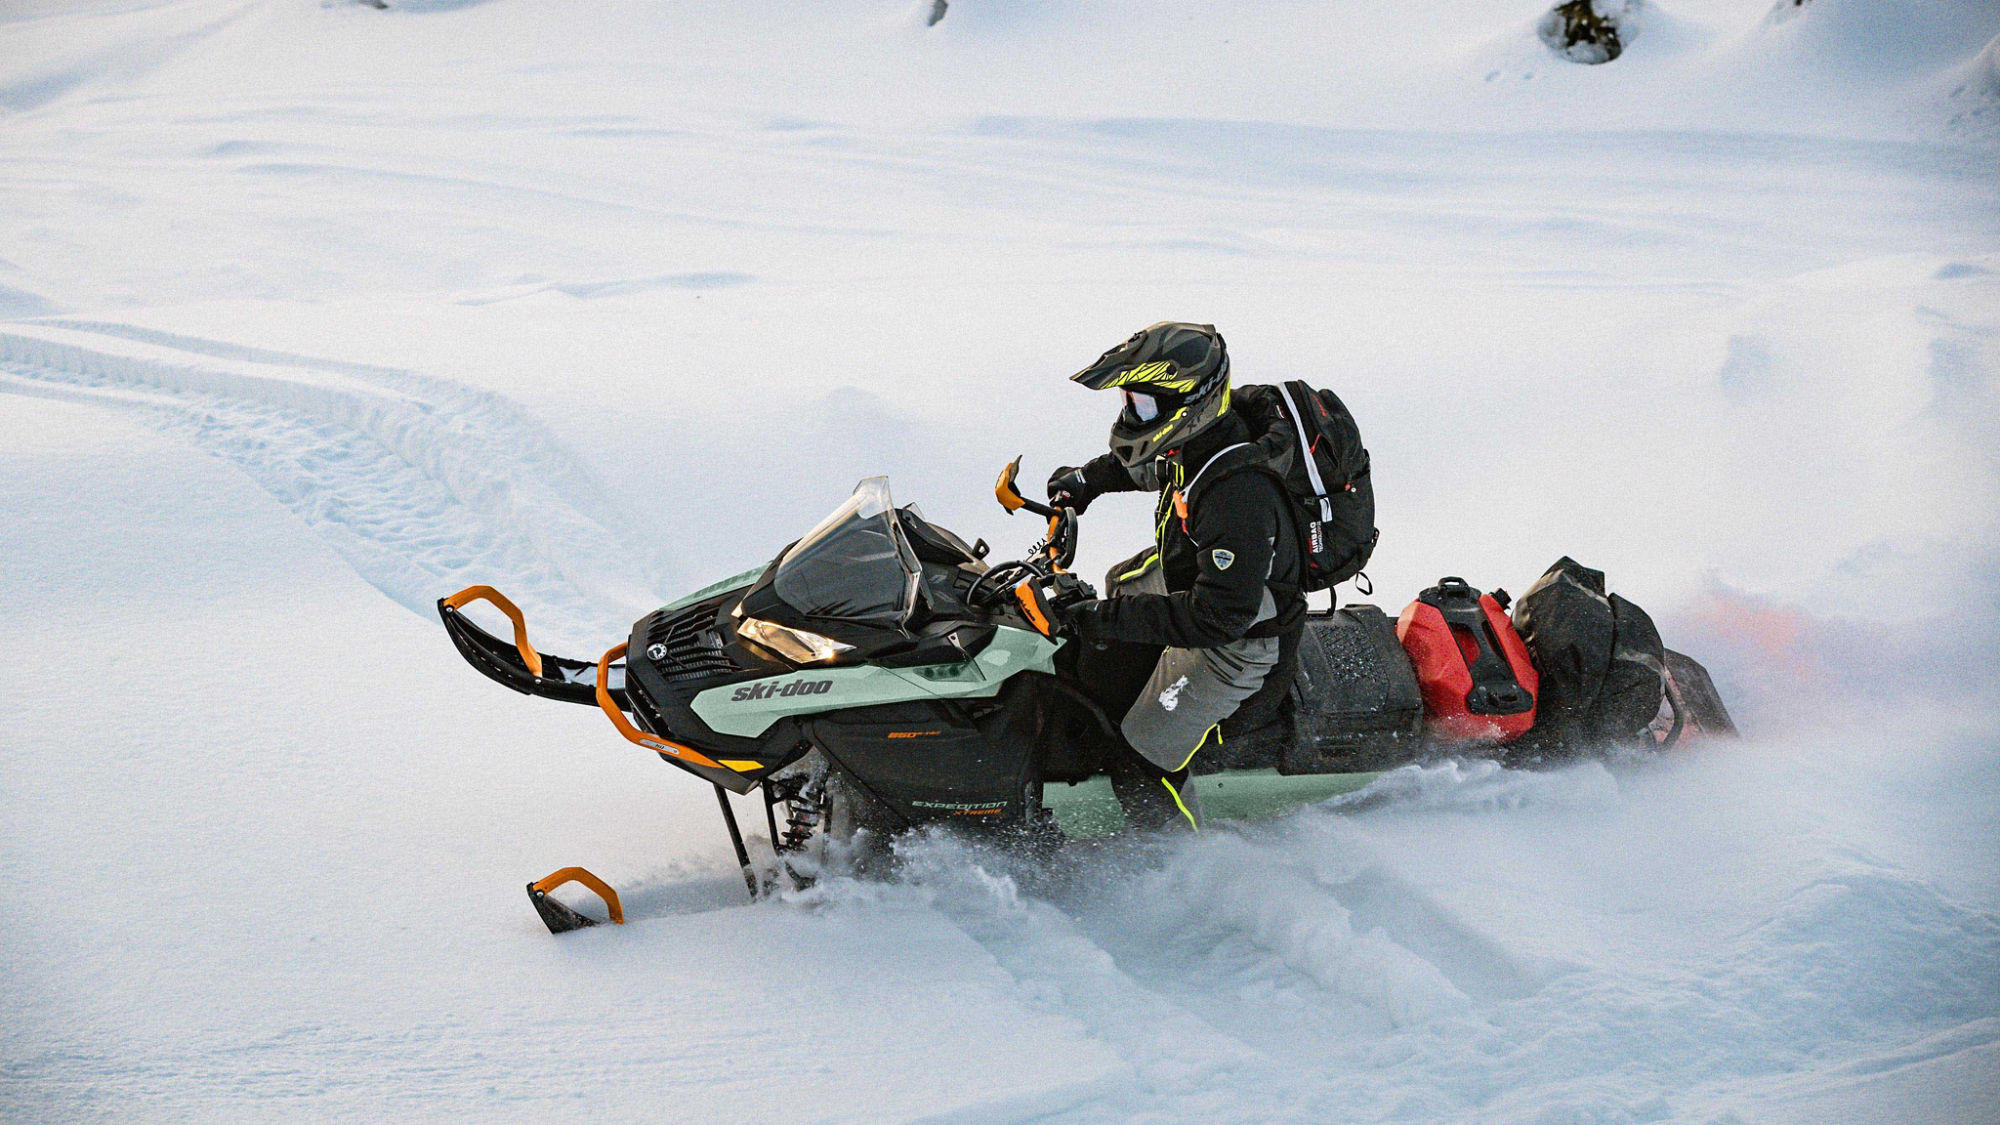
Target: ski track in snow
[(424, 486)]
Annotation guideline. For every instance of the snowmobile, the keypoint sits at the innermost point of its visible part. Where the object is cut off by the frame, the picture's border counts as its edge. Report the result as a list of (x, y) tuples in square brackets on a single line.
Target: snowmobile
[(880, 674)]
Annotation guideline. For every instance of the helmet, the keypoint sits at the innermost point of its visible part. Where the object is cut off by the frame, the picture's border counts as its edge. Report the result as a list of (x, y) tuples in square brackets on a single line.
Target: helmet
[(1175, 379)]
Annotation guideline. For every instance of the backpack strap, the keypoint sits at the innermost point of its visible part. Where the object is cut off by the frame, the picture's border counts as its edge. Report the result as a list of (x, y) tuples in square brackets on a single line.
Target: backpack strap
[(1306, 452), (1245, 456), (1188, 488)]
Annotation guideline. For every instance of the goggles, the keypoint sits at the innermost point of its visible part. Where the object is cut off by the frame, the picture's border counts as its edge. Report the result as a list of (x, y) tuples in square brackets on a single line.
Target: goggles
[(1143, 407)]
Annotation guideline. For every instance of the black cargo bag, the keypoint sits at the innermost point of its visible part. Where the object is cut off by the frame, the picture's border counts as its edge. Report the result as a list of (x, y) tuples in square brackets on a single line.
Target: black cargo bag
[(1356, 704), (1602, 665)]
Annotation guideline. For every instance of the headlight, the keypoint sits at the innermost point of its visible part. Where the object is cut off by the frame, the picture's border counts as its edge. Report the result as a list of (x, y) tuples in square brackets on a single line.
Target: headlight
[(795, 645)]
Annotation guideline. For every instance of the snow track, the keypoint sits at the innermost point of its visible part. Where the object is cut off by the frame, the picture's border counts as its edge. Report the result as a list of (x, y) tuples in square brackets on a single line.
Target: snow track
[(423, 485)]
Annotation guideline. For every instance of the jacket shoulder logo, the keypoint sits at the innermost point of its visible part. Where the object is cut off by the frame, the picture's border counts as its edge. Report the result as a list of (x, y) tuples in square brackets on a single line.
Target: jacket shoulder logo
[(1223, 557)]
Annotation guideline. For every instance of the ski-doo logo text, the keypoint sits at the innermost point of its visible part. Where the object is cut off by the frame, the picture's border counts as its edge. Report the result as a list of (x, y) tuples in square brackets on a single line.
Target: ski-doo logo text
[(766, 691)]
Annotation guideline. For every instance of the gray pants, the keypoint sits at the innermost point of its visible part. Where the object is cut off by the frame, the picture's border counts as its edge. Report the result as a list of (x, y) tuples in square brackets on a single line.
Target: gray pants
[(1191, 690)]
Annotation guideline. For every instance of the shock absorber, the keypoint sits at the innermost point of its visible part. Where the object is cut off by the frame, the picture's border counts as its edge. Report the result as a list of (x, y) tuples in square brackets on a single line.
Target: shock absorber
[(804, 797), (802, 816)]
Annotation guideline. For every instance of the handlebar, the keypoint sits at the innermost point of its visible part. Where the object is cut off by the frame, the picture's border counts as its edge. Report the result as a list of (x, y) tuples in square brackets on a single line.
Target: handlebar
[(1044, 571)]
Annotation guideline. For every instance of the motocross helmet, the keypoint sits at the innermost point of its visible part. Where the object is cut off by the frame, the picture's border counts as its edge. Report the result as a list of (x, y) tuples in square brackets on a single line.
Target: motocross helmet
[(1174, 378)]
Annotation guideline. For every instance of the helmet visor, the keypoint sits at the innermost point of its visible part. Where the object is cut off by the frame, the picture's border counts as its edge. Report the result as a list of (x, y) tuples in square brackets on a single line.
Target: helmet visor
[(1140, 407)]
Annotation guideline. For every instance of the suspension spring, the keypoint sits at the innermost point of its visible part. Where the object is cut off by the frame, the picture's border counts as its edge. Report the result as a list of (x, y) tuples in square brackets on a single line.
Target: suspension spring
[(804, 800)]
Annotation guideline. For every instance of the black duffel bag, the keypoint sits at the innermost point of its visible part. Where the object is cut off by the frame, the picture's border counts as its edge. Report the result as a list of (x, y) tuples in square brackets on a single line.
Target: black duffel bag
[(1601, 661)]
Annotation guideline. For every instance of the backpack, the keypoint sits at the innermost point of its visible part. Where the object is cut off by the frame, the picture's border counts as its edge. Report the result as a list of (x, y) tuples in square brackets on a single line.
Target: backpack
[(1333, 500)]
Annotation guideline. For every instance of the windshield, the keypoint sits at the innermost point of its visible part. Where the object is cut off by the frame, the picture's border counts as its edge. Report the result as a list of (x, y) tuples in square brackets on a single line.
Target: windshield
[(855, 566)]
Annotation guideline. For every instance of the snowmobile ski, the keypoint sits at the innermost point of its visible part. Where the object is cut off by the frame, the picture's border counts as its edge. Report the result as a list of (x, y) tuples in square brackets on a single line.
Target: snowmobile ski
[(561, 918)]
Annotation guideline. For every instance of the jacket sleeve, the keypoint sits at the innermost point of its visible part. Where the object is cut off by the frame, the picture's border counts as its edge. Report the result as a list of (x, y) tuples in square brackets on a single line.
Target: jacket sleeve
[(1234, 529), (1105, 473)]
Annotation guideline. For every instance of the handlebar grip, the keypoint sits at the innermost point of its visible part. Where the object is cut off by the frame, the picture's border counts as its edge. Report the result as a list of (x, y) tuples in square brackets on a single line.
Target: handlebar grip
[(1062, 537)]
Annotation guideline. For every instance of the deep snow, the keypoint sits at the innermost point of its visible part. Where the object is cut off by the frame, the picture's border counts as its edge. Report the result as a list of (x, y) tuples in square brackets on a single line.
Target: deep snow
[(313, 313)]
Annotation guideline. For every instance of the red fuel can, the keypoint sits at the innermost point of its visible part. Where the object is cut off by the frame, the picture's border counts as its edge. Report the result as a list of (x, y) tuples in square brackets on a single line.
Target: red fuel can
[(1477, 681)]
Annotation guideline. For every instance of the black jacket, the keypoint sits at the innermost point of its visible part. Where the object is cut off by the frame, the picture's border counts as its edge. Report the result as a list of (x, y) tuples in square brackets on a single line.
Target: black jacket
[(1235, 542)]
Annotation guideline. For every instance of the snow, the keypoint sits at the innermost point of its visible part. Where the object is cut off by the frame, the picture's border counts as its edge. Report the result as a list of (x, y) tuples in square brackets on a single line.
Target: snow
[(311, 313)]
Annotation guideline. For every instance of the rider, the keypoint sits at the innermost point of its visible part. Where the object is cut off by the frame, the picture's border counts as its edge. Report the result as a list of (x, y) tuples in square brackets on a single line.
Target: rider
[(1198, 631)]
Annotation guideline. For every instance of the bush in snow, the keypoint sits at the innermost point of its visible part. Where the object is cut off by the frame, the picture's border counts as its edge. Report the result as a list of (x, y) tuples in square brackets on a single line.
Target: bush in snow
[(1590, 31)]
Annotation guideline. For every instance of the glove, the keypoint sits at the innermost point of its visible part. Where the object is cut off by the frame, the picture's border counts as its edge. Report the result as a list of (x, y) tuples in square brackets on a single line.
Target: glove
[(1069, 489), (1070, 589), (1077, 618), (1052, 613)]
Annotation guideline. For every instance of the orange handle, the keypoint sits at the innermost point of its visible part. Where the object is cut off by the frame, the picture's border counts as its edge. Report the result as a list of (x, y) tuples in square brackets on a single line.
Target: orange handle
[(1010, 496), (555, 879), (529, 656), (633, 734), (1003, 489), (1031, 608)]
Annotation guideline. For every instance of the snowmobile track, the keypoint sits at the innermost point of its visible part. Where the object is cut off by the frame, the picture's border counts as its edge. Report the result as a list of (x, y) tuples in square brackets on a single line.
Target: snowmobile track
[(421, 484)]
